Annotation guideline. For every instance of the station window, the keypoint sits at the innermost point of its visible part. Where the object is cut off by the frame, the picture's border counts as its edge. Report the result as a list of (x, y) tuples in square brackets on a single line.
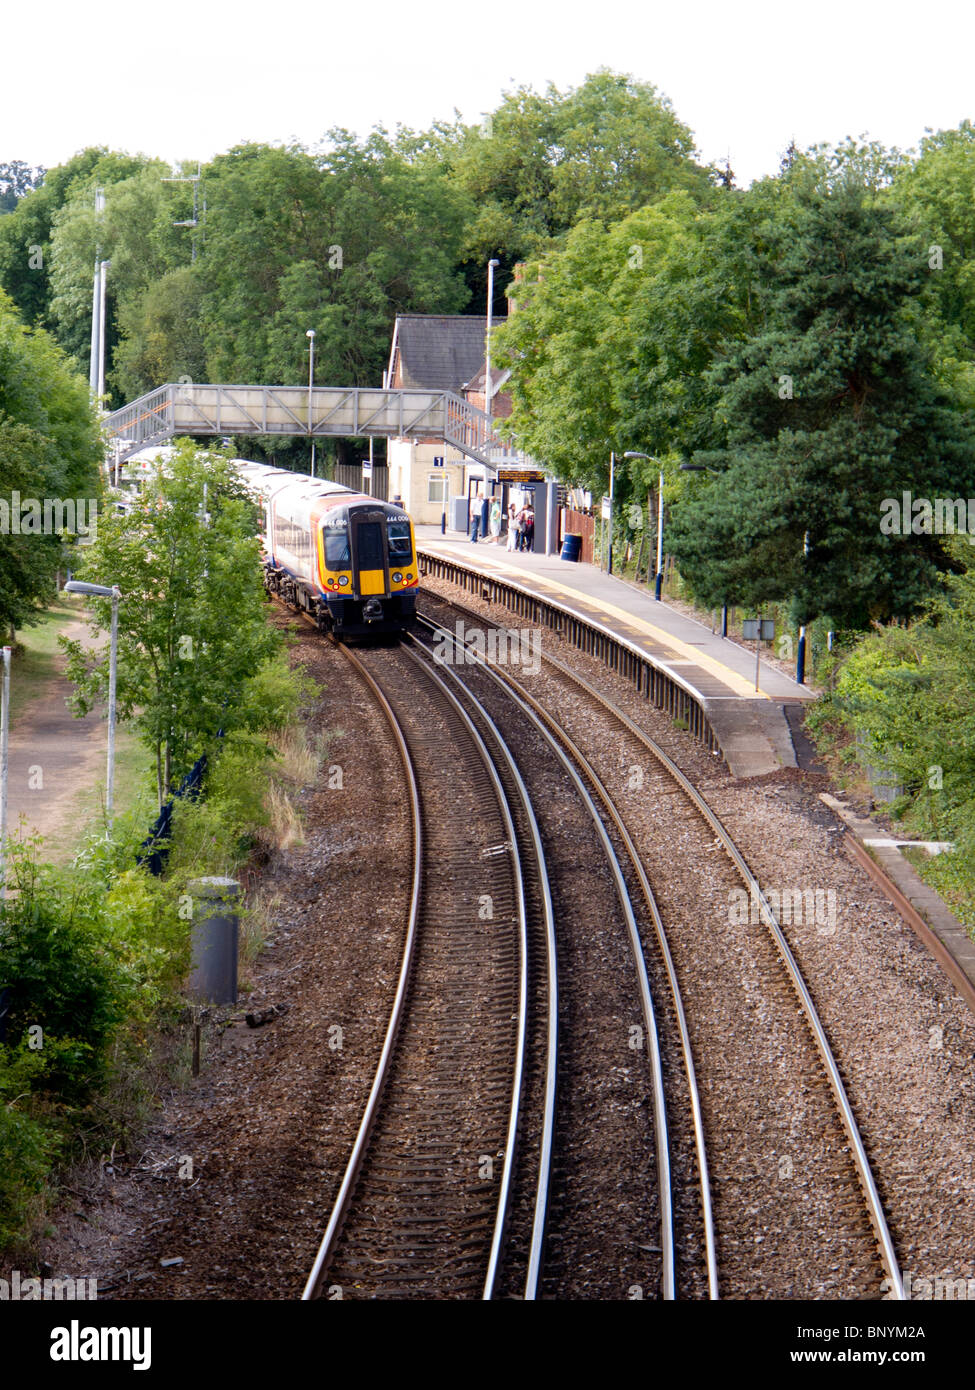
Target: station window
[(435, 483)]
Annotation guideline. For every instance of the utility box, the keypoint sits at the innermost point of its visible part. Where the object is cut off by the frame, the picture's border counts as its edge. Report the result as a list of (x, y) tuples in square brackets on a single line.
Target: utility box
[(459, 518), (214, 940)]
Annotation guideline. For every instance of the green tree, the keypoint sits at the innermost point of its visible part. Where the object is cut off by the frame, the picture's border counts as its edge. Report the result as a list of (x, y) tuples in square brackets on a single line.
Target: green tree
[(829, 406), (134, 233), (192, 628), (25, 235), (938, 189), (612, 339), (49, 449), (541, 163), (161, 334), (17, 179)]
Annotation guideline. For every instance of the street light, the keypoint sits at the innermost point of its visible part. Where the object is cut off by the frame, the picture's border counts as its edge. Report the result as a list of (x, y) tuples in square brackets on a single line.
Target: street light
[(702, 468), (76, 586), (487, 363), (658, 583), (310, 335)]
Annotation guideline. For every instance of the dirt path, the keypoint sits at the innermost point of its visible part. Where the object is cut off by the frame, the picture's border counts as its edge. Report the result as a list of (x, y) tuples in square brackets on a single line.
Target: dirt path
[(52, 755)]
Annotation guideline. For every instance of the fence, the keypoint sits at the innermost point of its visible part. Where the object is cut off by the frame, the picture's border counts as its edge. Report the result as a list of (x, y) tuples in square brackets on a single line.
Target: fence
[(662, 689), (350, 475), (579, 524)]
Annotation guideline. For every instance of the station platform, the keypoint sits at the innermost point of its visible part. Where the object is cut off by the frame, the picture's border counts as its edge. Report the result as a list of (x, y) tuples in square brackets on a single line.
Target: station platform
[(752, 727)]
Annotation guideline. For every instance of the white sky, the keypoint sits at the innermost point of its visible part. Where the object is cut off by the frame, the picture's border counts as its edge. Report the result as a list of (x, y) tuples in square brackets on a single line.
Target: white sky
[(189, 78)]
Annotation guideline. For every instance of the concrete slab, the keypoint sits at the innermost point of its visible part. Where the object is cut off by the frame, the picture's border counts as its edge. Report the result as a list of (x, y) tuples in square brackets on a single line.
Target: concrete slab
[(941, 930)]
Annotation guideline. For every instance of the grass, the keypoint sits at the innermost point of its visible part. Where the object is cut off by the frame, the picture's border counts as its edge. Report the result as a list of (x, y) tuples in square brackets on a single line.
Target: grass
[(952, 876), (134, 787), (35, 661), (36, 666)]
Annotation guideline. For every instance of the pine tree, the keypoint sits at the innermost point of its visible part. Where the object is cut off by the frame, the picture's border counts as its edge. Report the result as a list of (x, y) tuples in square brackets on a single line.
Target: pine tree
[(828, 408)]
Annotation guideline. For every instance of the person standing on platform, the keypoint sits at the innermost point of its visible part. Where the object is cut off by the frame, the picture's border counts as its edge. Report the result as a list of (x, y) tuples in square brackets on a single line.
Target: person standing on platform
[(495, 520), (529, 527), (475, 518), (513, 527)]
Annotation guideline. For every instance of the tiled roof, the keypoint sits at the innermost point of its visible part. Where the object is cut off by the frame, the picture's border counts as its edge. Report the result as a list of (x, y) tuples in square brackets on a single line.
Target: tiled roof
[(439, 352)]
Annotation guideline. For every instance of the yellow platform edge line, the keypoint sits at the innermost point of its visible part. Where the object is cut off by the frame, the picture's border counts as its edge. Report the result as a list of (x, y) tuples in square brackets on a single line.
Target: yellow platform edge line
[(730, 678)]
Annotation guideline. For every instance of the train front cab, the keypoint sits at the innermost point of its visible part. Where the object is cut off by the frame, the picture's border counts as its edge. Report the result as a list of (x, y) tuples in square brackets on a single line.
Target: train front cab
[(370, 554)]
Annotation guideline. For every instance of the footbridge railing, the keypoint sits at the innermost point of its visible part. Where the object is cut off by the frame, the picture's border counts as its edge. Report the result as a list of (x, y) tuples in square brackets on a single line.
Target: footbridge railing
[(350, 411)]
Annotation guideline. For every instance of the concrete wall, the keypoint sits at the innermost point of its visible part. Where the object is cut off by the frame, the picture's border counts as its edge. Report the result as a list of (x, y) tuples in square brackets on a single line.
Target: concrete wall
[(411, 467)]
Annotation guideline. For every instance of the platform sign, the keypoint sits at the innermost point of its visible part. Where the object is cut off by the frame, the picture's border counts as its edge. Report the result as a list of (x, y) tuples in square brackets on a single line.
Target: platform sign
[(438, 462), (366, 468), (758, 630), (520, 475), (607, 509)]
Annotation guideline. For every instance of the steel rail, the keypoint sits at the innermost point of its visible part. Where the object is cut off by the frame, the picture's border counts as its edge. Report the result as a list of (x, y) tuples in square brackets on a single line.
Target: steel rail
[(504, 1193), (552, 1024), (861, 1161), (340, 1207), (875, 1208), (313, 1284), (697, 1119), (656, 1068)]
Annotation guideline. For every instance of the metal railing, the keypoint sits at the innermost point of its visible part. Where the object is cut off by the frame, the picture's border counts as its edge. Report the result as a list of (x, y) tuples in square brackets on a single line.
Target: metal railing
[(350, 412), (661, 688)]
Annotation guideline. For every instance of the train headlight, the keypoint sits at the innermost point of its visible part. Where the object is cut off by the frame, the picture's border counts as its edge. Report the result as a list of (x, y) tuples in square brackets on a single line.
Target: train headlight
[(397, 578), (343, 580), (409, 578)]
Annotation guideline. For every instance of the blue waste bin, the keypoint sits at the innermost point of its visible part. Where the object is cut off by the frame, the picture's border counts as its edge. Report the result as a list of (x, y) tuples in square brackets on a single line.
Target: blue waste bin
[(571, 546)]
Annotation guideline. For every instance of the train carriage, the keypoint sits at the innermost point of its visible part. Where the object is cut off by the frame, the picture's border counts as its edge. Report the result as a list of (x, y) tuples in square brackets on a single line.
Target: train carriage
[(344, 557)]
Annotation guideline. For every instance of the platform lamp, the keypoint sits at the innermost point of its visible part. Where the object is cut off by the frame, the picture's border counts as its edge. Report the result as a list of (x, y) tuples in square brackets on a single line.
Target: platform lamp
[(310, 335), (492, 266), (702, 468), (76, 586), (659, 581)]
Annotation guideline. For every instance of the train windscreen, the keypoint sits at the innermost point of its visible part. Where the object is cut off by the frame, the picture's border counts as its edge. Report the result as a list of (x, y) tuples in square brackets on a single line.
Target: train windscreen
[(337, 547), (369, 545), (400, 550)]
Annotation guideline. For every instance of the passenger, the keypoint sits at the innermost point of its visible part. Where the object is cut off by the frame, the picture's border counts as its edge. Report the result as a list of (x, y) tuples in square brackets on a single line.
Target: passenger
[(475, 518), (529, 542), (495, 521), (513, 527)]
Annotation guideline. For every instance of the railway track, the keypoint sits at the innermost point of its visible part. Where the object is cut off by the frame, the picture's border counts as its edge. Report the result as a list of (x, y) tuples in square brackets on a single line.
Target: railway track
[(799, 1125), (422, 1206), (606, 1204), (377, 1212)]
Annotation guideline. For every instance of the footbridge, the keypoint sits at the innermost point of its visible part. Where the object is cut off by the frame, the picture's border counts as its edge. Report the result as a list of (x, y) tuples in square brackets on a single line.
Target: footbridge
[(350, 411)]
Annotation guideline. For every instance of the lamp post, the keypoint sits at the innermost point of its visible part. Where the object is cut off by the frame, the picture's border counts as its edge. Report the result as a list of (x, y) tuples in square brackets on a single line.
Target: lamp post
[(659, 581), (76, 586), (96, 299), (310, 335), (487, 359), (801, 648)]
